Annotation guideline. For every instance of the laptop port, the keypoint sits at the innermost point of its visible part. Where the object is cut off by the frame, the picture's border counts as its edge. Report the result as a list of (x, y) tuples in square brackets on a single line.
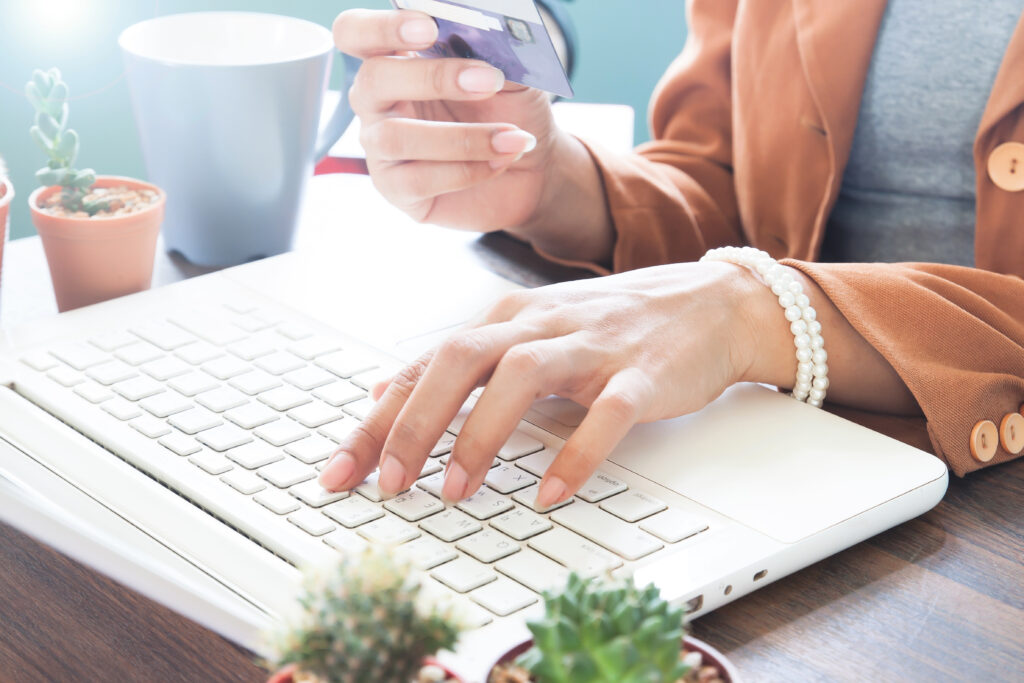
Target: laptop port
[(760, 575), (694, 604)]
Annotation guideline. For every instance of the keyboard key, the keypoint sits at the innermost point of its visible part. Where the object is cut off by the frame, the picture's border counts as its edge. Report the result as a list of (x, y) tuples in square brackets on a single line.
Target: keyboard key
[(521, 524), (240, 305), (41, 361), (252, 415), (150, 426), (369, 489), (353, 511), (314, 495), (195, 420), (606, 530), (508, 479), (528, 497), (371, 378), (255, 454), (165, 403), (312, 449), (673, 525), (211, 463), (110, 372), (253, 347), (282, 432), (224, 437), (344, 364), (432, 484), (488, 546), (244, 481), (279, 362), (444, 445), (450, 525), (315, 346), (344, 541), (121, 409), (426, 553), (210, 328), (473, 616), (286, 473), (520, 444), (138, 388), (79, 356), (444, 461), (65, 376), (138, 353), (163, 335), (503, 597), (192, 383), (256, 321), (361, 408), (284, 398), (599, 486), (533, 570), (430, 467), (339, 429), (109, 341), (255, 382), (464, 574), (633, 506), (389, 531), (225, 367), (315, 414), (485, 504), (537, 463), (308, 378), (163, 369), (575, 552), (277, 501), (294, 331), (198, 353), (221, 399), (414, 505), (339, 393), (93, 392), (181, 444), (312, 522)]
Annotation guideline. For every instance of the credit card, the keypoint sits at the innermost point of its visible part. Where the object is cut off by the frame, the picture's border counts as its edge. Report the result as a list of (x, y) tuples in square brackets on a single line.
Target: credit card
[(507, 34)]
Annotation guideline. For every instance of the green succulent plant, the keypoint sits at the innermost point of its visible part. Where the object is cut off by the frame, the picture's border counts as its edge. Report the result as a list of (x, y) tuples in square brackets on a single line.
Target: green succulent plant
[(602, 632), (367, 619), (48, 94)]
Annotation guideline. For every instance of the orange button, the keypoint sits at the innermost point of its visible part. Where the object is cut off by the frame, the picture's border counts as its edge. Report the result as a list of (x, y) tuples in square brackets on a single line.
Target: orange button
[(984, 440), (1011, 433), (1006, 166)]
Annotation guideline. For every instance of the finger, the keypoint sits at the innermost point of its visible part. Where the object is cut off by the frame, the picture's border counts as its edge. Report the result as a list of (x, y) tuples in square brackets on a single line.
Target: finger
[(524, 374), (411, 184), (454, 371), (370, 33), (384, 81), (359, 453), (401, 139), (618, 407)]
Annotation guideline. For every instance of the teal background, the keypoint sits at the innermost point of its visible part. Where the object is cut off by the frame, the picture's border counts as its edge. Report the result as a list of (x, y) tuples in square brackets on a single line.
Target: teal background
[(624, 47)]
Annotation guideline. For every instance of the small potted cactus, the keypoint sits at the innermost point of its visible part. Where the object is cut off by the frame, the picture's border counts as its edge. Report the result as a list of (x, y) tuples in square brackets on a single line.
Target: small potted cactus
[(366, 619), (99, 233), (6, 195), (596, 631)]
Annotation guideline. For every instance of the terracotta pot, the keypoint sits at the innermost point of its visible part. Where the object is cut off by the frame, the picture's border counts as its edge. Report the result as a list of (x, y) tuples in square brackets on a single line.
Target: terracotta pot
[(286, 674), (95, 259), (711, 657), (6, 195)]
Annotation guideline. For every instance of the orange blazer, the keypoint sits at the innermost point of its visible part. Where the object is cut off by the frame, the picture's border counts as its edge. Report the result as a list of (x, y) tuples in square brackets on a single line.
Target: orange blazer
[(752, 129)]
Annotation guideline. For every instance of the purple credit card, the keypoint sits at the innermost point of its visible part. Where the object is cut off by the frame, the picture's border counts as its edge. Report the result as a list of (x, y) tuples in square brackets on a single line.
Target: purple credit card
[(507, 34)]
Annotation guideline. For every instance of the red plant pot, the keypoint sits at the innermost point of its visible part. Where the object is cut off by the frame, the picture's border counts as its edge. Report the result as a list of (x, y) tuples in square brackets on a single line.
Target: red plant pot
[(287, 674)]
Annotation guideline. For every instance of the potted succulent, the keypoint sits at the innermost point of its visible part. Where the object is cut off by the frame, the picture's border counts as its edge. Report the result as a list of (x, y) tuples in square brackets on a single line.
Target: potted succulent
[(6, 195), (99, 233), (366, 619), (595, 631)]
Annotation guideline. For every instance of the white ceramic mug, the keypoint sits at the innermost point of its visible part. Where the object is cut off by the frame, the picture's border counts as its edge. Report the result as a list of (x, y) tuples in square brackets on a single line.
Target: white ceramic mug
[(227, 105)]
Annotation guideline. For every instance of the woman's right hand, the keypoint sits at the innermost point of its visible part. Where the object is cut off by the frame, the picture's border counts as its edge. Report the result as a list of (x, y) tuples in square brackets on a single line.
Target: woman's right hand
[(448, 141)]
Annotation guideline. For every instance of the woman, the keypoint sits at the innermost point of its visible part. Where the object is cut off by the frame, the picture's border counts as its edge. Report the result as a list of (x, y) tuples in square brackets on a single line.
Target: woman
[(794, 127)]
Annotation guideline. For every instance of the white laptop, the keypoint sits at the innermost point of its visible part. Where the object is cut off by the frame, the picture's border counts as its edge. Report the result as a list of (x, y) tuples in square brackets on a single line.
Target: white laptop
[(172, 439)]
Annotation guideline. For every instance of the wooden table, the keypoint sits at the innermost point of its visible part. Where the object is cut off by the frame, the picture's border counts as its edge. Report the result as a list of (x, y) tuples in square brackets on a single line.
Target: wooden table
[(938, 598)]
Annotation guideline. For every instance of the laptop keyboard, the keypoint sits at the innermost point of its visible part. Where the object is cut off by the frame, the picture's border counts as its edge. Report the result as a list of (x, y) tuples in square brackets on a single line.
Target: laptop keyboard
[(258, 403)]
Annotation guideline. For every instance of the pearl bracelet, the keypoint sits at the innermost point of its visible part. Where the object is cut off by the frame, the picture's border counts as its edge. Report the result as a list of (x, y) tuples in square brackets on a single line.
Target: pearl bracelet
[(812, 360)]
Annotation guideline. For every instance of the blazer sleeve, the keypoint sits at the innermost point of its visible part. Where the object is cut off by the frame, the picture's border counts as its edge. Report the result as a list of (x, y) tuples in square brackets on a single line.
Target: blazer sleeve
[(675, 198), (954, 335)]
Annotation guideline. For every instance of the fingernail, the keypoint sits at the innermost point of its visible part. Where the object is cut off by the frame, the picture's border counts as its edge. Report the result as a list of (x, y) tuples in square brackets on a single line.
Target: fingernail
[(481, 79), (455, 483), (338, 471), (552, 490), (392, 476), (513, 142), (418, 32)]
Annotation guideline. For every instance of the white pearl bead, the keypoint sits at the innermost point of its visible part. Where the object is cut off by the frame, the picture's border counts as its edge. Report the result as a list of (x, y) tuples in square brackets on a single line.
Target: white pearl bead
[(777, 271), (802, 341), (778, 289), (819, 356), (800, 395), (793, 313), (786, 299), (820, 383), (817, 342), (762, 268), (798, 326), (816, 395), (814, 327), (820, 369), (809, 314), (794, 286), (803, 355), (812, 402), (804, 378), (802, 300)]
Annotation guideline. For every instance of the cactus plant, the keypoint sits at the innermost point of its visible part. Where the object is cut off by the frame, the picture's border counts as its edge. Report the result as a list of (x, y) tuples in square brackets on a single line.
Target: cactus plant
[(596, 632), (48, 95), (367, 620)]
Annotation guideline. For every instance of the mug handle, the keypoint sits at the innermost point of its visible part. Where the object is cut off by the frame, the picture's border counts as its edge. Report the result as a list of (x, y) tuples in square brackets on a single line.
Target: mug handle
[(342, 116)]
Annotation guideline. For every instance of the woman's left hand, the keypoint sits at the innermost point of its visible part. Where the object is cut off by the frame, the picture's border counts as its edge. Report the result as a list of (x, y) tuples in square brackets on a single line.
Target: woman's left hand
[(635, 347)]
